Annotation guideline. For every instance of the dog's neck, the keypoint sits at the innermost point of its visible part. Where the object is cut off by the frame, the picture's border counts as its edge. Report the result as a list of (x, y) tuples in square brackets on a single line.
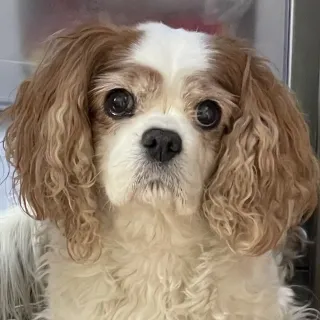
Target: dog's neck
[(137, 223)]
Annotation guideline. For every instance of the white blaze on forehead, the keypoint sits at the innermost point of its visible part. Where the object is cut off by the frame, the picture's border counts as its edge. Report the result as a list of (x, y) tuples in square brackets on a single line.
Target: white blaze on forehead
[(172, 52)]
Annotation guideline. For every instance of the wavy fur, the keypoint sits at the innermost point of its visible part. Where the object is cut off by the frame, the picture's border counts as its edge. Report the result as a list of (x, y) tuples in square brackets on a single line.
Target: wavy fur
[(211, 240)]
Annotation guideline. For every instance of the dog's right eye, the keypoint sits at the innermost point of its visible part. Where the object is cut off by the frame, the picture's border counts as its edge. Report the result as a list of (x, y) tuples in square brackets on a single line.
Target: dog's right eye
[(119, 103)]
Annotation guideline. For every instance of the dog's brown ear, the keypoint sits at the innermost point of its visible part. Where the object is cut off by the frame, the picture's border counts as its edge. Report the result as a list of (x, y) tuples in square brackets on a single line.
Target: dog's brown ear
[(49, 139), (267, 178)]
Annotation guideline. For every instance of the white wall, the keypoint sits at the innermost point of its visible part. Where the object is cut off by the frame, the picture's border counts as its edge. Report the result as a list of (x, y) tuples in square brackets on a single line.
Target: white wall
[(265, 26), (11, 72), (5, 184)]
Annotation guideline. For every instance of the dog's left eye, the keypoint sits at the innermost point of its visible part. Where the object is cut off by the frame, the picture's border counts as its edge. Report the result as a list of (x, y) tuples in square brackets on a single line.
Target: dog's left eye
[(119, 103), (208, 114)]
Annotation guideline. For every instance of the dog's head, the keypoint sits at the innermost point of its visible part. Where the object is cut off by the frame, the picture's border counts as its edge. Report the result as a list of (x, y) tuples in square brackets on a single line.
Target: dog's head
[(161, 117)]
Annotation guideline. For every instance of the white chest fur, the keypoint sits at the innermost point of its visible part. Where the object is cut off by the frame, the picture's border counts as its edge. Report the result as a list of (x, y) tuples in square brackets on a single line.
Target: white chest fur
[(163, 267)]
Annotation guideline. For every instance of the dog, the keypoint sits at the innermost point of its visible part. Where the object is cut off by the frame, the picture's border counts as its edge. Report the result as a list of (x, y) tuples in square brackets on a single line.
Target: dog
[(161, 172)]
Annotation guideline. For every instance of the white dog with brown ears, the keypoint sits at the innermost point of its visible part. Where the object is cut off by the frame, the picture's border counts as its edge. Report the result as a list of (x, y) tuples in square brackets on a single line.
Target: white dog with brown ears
[(164, 169)]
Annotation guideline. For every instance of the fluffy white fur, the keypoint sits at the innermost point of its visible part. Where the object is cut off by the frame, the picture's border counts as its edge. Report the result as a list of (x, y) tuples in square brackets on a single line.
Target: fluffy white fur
[(175, 54), (155, 265), (160, 260), (20, 286)]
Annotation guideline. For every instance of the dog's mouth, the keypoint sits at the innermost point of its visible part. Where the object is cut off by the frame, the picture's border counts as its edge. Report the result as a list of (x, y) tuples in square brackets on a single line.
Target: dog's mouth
[(163, 187), (156, 182)]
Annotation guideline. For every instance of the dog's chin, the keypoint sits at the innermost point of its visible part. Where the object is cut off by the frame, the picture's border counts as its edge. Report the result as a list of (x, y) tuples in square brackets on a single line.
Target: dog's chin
[(154, 192), (161, 195)]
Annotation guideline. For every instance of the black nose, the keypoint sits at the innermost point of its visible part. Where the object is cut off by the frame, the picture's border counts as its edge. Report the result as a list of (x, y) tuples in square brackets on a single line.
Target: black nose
[(161, 145)]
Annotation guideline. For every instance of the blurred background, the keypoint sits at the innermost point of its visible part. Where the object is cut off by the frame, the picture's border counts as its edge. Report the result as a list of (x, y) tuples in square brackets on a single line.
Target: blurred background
[(287, 32)]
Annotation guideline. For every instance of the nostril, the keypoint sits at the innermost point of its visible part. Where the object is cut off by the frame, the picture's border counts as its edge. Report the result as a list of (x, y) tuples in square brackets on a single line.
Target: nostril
[(150, 139), (149, 142), (175, 144)]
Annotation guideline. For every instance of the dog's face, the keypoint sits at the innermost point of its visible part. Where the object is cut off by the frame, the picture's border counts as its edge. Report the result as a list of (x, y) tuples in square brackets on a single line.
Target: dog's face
[(161, 117), (158, 120)]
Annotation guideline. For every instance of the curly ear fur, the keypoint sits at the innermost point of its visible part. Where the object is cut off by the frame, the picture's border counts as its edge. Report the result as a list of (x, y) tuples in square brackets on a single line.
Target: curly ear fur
[(49, 140), (267, 178)]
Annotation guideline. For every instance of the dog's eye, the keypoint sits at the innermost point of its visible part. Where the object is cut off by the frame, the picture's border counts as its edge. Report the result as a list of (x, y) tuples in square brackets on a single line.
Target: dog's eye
[(208, 114), (119, 103)]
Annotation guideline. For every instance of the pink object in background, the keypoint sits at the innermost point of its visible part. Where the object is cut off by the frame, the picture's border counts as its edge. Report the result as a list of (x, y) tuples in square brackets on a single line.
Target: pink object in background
[(191, 23)]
